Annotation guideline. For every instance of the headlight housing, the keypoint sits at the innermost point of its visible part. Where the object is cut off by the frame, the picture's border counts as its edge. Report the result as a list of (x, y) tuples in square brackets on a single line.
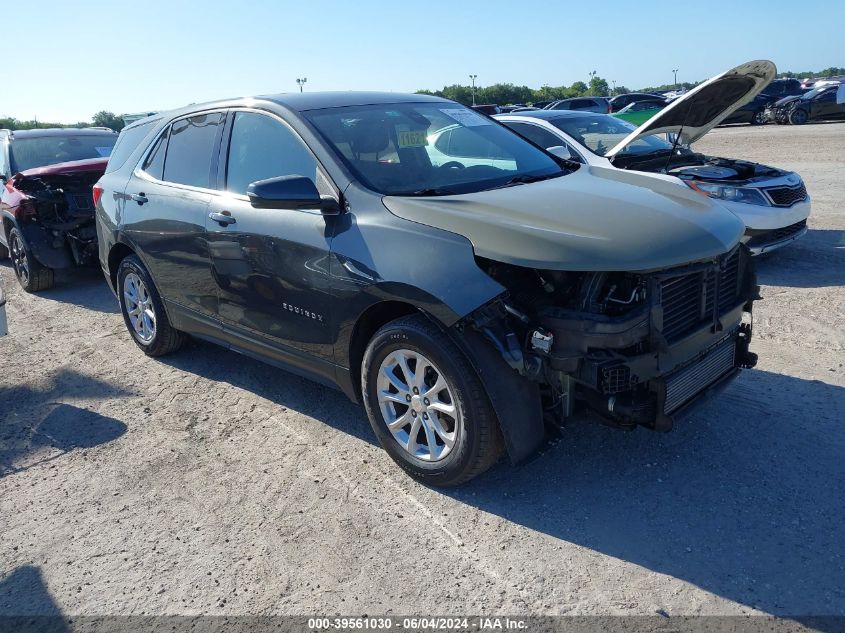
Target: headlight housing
[(728, 193)]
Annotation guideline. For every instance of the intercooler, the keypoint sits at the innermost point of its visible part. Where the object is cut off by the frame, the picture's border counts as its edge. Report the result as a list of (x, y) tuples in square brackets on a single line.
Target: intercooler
[(687, 382)]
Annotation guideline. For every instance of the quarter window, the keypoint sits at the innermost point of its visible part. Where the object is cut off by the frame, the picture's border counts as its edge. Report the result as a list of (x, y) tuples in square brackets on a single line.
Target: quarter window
[(127, 142), (190, 149), (262, 148), (154, 164)]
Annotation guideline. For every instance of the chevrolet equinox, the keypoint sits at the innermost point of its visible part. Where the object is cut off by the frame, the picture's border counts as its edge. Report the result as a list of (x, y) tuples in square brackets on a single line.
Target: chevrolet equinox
[(466, 285)]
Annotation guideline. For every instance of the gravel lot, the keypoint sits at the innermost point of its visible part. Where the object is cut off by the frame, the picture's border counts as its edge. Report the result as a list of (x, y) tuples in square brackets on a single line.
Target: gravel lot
[(207, 482)]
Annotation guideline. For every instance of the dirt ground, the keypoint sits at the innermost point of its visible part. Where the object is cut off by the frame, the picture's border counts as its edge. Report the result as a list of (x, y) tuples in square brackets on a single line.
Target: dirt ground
[(209, 483)]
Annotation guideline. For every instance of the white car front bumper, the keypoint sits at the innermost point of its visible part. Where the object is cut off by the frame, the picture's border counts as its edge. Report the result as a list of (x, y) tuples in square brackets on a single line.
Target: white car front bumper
[(768, 228)]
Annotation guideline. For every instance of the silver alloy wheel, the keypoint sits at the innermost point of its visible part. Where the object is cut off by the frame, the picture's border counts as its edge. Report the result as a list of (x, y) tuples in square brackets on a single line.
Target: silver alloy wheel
[(418, 405), (139, 308), (19, 259)]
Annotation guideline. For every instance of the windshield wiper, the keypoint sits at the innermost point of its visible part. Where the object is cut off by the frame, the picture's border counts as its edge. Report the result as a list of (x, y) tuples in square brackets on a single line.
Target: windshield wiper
[(429, 191), (522, 180)]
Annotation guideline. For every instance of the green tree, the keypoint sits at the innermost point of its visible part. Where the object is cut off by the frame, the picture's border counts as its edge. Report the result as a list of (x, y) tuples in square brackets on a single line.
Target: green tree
[(109, 120), (599, 87)]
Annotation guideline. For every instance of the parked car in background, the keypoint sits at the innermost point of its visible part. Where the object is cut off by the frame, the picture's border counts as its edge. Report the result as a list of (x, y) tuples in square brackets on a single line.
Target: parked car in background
[(487, 108), (621, 101), (46, 206), (780, 88), (819, 104), (639, 112), (753, 112), (583, 104), (772, 202), (4, 324), (462, 301)]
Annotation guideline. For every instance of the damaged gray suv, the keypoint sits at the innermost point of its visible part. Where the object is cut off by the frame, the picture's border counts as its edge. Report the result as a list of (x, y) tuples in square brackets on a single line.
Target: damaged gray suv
[(466, 285)]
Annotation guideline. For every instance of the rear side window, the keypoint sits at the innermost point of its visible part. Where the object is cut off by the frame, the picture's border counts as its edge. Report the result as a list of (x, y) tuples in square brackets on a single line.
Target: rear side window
[(127, 142), (190, 150), (261, 148), (535, 134)]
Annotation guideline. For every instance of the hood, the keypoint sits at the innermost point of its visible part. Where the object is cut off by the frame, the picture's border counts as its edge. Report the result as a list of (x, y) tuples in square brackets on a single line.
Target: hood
[(594, 219), (74, 166), (705, 106)]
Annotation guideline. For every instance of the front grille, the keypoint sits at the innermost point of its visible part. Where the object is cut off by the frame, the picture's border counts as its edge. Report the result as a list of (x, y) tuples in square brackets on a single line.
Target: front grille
[(688, 301), (686, 383), (776, 235), (786, 196)]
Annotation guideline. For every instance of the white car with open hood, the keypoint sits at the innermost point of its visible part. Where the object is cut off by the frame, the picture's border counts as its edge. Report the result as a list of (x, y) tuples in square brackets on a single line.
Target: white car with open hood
[(772, 202)]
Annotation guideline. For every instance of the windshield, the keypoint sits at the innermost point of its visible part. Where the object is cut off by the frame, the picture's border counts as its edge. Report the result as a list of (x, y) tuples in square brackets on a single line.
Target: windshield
[(429, 148), (39, 151), (601, 132)]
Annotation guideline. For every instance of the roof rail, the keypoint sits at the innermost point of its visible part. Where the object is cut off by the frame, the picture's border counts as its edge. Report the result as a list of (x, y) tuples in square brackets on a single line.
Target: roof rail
[(99, 127)]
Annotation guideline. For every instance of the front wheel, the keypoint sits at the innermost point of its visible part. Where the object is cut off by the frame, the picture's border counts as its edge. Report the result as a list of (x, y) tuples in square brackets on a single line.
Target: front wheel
[(32, 276), (427, 405), (798, 117), (143, 311), (759, 118)]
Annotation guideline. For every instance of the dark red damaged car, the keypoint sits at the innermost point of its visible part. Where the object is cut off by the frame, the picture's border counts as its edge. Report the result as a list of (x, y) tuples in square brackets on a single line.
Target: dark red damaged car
[(46, 206)]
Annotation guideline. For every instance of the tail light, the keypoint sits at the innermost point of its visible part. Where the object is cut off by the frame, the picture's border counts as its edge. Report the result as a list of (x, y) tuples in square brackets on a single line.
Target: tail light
[(98, 193)]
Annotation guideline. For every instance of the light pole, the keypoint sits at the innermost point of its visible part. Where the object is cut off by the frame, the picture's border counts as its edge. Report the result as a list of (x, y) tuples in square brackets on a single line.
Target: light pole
[(590, 83), (301, 82), (613, 92), (675, 72), (472, 77)]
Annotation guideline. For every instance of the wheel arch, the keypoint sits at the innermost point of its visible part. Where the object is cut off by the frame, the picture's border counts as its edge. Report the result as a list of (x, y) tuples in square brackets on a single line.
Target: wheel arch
[(366, 325), (118, 252)]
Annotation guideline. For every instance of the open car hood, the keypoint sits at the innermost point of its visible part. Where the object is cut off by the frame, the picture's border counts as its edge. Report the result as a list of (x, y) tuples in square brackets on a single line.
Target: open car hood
[(705, 106)]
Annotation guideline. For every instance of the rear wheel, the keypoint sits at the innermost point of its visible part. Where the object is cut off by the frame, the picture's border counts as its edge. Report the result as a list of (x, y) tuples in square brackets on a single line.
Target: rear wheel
[(143, 311), (32, 276), (798, 116), (426, 404)]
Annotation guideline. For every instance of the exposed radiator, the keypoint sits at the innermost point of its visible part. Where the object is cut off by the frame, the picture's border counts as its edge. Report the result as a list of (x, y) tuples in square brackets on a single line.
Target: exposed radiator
[(689, 381)]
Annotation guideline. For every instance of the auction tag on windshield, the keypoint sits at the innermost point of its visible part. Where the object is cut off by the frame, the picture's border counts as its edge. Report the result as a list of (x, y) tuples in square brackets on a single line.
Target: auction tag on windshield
[(411, 138), (465, 117)]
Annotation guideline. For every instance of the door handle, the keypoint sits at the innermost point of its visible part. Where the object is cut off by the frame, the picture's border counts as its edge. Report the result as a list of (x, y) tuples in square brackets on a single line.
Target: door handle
[(140, 198), (224, 218)]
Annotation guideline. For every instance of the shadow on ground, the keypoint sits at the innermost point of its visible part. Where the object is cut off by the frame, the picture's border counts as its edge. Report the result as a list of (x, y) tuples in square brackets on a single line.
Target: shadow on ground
[(84, 286), (746, 499), (816, 260), (322, 403), (32, 419), (23, 593)]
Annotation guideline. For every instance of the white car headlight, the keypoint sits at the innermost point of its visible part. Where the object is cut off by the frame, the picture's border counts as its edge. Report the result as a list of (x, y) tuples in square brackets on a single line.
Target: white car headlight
[(732, 194)]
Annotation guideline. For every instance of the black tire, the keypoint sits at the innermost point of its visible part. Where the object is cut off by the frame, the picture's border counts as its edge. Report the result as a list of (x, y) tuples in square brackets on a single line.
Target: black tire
[(32, 276), (165, 338), (4, 252), (759, 118), (478, 442), (798, 116)]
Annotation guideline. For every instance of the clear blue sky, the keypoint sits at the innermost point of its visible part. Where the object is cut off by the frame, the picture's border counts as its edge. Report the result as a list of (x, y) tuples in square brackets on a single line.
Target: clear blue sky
[(76, 58)]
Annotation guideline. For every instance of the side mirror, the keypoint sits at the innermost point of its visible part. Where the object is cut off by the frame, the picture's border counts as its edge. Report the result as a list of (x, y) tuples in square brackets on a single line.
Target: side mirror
[(561, 151), (290, 192)]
